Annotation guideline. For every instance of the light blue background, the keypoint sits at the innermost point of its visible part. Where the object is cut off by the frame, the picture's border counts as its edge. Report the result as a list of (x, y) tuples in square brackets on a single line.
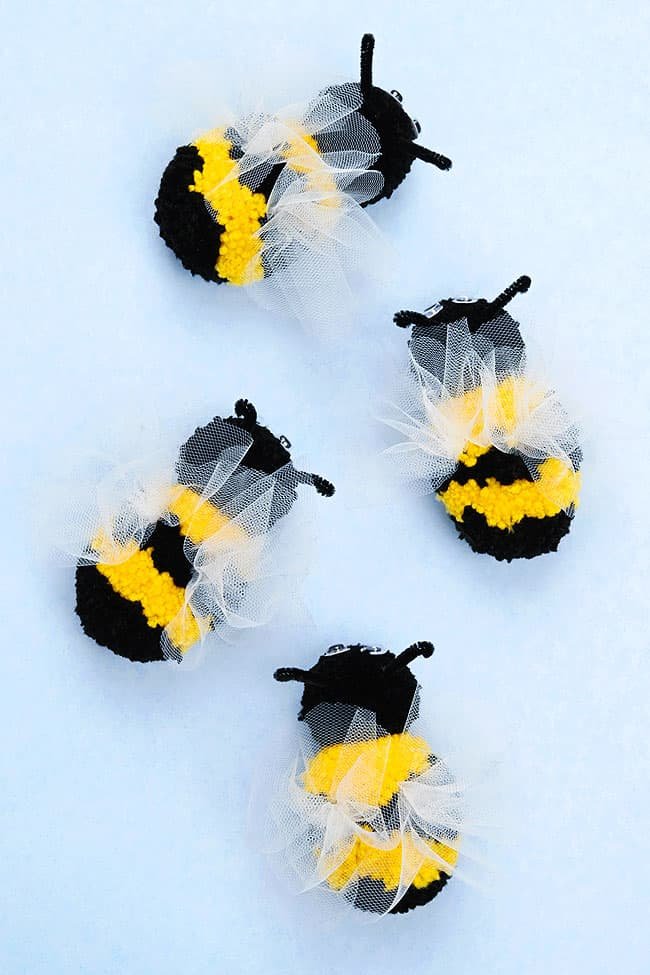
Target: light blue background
[(124, 789)]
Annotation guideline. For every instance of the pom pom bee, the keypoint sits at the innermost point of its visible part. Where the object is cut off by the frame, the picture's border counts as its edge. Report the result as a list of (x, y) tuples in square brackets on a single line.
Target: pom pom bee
[(278, 198), (168, 556), (491, 439), (369, 812)]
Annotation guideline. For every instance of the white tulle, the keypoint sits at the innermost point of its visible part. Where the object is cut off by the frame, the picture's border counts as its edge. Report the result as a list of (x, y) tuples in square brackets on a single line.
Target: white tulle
[(452, 395), (317, 236), (309, 836), (242, 572)]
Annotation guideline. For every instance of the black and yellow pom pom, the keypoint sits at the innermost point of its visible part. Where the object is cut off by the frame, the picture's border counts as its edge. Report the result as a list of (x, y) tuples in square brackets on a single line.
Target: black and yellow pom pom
[(147, 590), (354, 831), (502, 453), (217, 194)]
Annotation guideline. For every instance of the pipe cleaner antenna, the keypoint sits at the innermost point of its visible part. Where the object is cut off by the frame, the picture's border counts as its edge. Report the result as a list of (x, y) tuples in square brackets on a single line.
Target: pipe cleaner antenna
[(423, 648), (322, 485), (367, 51), (428, 155), (246, 412), (286, 674), (518, 287), (405, 318)]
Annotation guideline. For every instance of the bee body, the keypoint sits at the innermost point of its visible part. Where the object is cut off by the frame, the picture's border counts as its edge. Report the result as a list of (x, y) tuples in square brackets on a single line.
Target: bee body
[(228, 203), (500, 509), (360, 704), (504, 456), (151, 589)]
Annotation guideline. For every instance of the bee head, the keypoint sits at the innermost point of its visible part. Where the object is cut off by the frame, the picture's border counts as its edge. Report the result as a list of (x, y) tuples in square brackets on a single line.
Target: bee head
[(361, 676), (396, 129), (266, 454), (269, 453), (477, 311)]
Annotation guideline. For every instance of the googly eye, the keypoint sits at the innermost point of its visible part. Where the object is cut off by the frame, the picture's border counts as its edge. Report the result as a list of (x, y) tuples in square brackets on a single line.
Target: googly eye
[(336, 649), (433, 310), (417, 126), (397, 95), (285, 443)]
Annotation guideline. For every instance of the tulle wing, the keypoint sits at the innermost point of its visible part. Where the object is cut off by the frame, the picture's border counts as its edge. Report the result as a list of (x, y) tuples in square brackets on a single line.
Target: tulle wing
[(248, 567), (317, 235), (113, 506), (332, 119), (317, 240), (469, 391), (342, 820)]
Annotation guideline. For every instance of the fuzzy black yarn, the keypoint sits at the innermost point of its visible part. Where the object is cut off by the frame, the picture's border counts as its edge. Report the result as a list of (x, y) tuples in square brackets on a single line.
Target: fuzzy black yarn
[(167, 547), (267, 452), (112, 621), (476, 312), (504, 468), (184, 222), (371, 895), (482, 316), (529, 538), (419, 896), (358, 678), (396, 134)]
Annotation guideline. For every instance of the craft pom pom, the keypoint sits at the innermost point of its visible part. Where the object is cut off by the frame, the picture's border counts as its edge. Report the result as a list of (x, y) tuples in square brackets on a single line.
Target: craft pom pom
[(482, 431), (367, 813), (276, 201), (169, 553)]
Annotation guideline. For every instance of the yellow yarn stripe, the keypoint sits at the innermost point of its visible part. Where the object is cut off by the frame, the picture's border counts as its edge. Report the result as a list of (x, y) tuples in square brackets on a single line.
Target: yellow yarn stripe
[(374, 769), (238, 210), (392, 865), (200, 519), (133, 575), (163, 602), (504, 505)]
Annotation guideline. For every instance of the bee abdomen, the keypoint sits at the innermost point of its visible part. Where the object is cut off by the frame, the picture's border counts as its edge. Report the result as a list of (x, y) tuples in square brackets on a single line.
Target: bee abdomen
[(210, 217), (185, 223), (126, 606), (500, 509)]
